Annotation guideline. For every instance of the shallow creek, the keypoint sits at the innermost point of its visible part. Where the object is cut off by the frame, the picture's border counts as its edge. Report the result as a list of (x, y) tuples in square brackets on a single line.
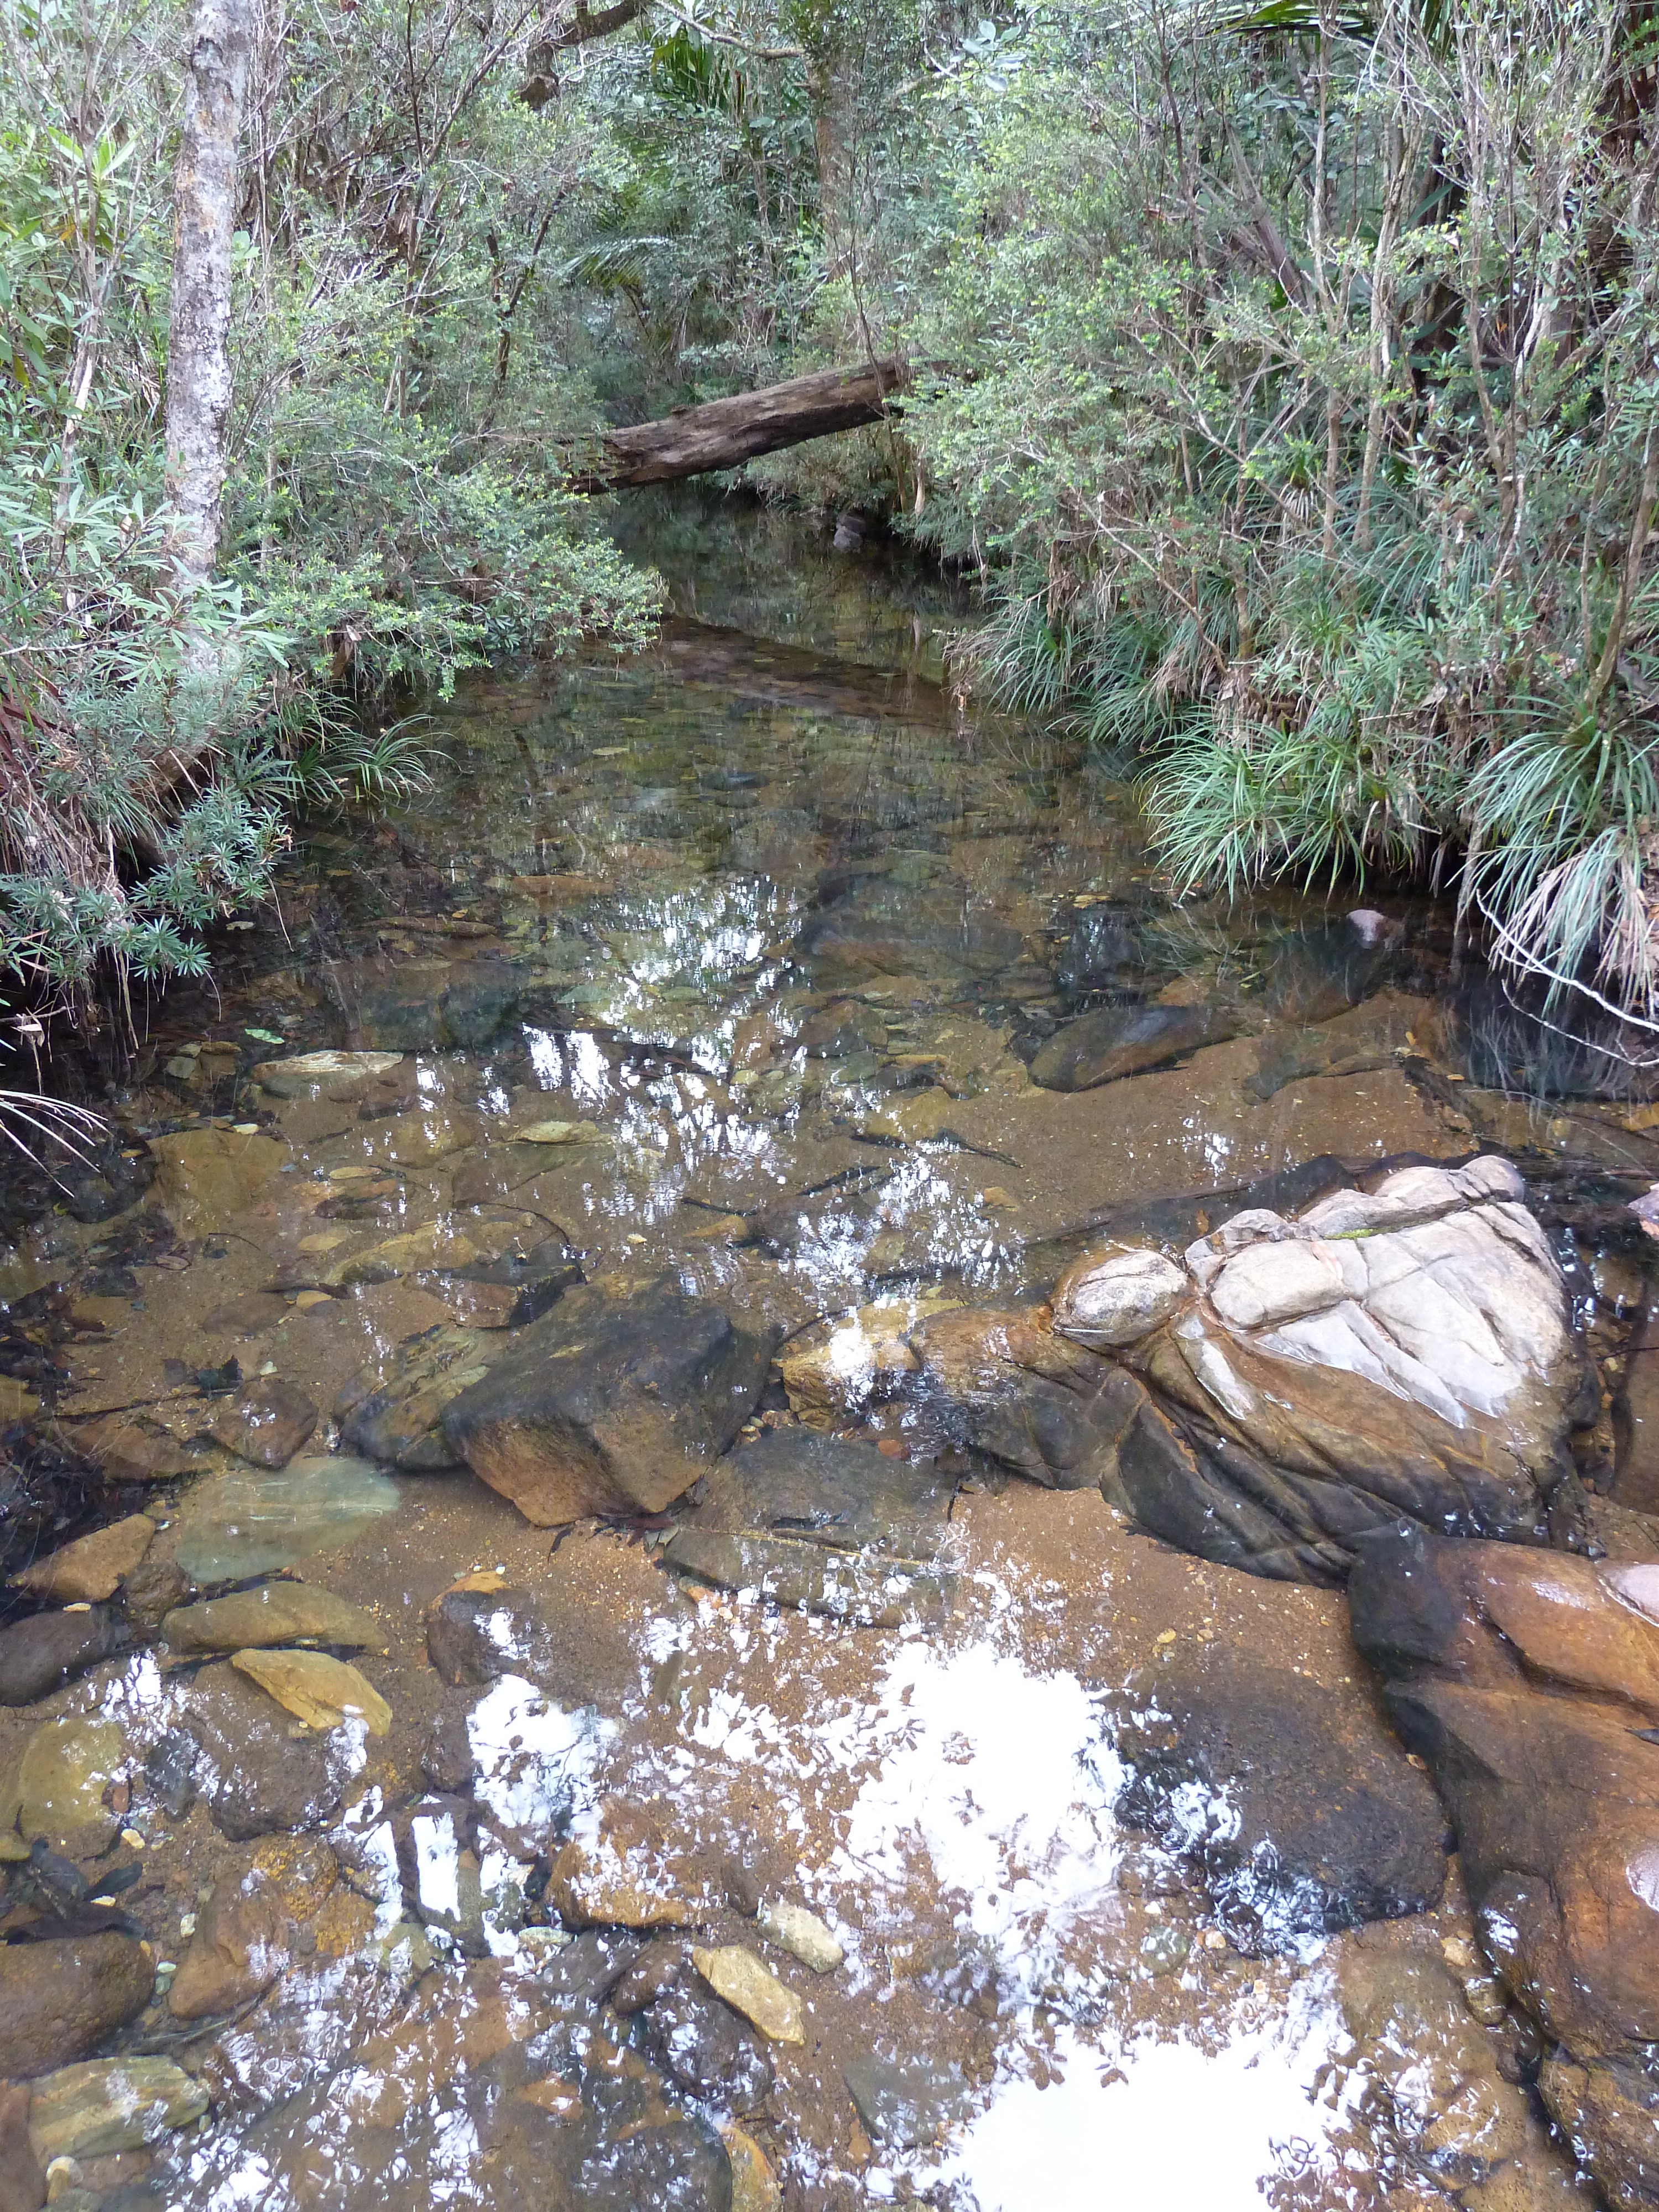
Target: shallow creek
[(729, 965)]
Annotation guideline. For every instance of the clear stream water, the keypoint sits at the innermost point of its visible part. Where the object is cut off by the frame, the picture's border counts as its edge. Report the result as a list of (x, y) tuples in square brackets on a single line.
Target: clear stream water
[(775, 924)]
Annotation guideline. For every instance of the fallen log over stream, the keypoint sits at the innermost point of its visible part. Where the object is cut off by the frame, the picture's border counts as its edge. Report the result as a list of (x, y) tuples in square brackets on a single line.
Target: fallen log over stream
[(723, 434)]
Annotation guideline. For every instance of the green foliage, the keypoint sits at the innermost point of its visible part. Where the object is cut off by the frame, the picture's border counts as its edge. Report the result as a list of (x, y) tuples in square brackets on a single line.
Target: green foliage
[(395, 512)]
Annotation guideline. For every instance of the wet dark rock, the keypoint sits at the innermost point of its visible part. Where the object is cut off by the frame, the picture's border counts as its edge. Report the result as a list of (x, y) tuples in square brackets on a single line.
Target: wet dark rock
[(1371, 1038), (742, 1890), (704, 2045), (480, 999), (391, 1005), (590, 1967), (540, 1277), (608, 1404), (151, 1591), (906, 2102), (811, 1520), (256, 1775), (395, 1418), (1300, 1808), (1318, 972), (1635, 1420), (592, 2125), (448, 1759), (1103, 952), (1118, 1040), (170, 1771), (963, 1973), (1002, 1384), (1610, 2105), (38, 1654), (22, 2184), (240, 1947), (476, 1636), (267, 1426), (1530, 1684), (659, 1968), (60, 2001), (436, 1840), (840, 1027)]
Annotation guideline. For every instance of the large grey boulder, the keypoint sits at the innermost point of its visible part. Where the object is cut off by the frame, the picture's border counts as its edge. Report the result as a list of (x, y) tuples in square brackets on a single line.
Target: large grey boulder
[(1285, 1385)]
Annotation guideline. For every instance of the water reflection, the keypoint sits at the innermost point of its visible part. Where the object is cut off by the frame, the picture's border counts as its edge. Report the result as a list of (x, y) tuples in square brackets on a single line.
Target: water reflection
[(731, 967)]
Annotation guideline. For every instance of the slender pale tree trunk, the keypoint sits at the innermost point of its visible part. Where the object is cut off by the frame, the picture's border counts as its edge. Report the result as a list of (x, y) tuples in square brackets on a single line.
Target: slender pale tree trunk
[(199, 391)]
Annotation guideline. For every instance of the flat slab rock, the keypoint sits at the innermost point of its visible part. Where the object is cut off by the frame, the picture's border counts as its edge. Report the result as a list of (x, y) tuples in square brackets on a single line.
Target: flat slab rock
[(832, 1527), (1299, 1806), (1529, 1682), (608, 1404)]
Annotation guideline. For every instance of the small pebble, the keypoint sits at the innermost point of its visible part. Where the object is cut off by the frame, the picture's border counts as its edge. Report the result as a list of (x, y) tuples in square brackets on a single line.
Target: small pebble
[(131, 1836)]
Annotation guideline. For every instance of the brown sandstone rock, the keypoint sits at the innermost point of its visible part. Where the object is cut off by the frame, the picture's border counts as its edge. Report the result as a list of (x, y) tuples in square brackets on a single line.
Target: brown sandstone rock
[(267, 1426), (90, 1569), (60, 2001), (206, 1178), (617, 1875), (1530, 1682), (240, 1947), (22, 2184), (608, 1404)]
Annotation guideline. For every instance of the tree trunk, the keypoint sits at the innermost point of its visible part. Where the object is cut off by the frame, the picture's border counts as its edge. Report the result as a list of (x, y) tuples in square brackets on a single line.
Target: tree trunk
[(198, 391), (725, 433)]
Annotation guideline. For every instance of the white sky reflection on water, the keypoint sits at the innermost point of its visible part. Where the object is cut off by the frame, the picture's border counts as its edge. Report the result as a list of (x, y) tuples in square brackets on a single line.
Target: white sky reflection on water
[(1164, 2123), (1001, 1776)]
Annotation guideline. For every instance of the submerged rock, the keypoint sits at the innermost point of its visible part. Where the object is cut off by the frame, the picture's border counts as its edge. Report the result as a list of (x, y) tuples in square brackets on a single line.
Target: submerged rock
[(1003, 1383), (267, 1426), (616, 1874), (752, 1989), (608, 1404), (322, 1074), (110, 2104), (92, 1567), (479, 1630), (240, 1947), (1118, 1040), (395, 1417), (233, 1526), (61, 2000), (906, 2102), (810, 1521), (22, 2184), (38, 1654), (803, 1934), (278, 1612), (320, 1691), (702, 2044), (256, 1774), (59, 1787), (1438, 2074), (207, 1178), (1530, 1684), (1302, 1811)]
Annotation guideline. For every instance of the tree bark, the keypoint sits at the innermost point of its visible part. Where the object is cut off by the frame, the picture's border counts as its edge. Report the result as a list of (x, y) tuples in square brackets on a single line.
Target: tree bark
[(725, 433), (199, 385)]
